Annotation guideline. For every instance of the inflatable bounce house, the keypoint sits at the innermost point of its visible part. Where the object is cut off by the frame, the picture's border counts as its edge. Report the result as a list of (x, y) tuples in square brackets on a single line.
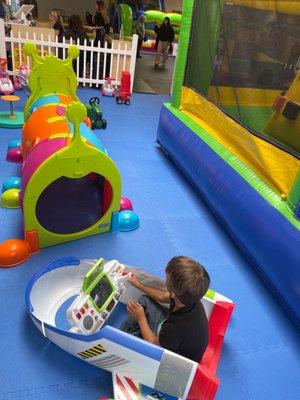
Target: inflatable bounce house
[(69, 187), (233, 130)]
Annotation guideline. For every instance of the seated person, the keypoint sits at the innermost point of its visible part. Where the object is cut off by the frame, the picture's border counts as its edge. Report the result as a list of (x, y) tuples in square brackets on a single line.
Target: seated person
[(183, 328), (56, 23), (76, 31), (78, 34)]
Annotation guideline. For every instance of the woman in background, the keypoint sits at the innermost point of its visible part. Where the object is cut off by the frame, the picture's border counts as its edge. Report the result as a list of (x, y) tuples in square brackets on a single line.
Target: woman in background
[(76, 31), (101, 21), (165, 36), (139, 29), (56, 23)]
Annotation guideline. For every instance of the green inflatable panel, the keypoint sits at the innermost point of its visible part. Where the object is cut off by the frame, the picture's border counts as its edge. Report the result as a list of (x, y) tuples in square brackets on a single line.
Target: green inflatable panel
[(159, 16), (126, 19)]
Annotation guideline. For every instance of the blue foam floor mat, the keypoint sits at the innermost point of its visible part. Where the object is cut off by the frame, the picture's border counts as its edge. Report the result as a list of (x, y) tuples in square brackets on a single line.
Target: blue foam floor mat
[(261, 357)]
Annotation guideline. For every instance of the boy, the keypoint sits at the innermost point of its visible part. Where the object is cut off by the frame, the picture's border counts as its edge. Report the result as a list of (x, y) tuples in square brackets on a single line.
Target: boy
[(183, 328)]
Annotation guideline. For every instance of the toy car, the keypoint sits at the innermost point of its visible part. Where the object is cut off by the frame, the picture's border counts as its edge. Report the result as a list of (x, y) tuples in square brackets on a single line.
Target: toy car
[(95, 114), (124, 92), (107, 88)]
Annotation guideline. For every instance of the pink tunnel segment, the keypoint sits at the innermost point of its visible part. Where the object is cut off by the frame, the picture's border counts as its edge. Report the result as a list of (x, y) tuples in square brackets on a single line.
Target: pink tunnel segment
[(38, 155)]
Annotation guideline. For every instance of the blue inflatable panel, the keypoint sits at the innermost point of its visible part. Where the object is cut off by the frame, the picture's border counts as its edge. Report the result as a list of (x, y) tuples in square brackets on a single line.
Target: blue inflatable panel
[(262, 233)]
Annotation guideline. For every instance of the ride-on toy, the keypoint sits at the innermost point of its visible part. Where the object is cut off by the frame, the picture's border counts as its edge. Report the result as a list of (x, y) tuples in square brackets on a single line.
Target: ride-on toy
[(107, 88), (94, 112), (20, 81), (6, 85), (124, 92)]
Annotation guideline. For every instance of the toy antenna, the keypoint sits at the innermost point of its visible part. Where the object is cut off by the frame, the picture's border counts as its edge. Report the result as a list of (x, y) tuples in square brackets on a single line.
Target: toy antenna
[(76, 113)]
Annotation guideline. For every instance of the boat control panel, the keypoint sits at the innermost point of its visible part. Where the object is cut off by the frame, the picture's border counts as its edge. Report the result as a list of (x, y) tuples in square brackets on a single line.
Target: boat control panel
[(102, 289)]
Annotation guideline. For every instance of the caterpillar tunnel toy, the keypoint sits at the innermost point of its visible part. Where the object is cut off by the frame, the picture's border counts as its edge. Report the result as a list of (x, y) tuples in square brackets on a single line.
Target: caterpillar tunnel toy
[(69, 188)]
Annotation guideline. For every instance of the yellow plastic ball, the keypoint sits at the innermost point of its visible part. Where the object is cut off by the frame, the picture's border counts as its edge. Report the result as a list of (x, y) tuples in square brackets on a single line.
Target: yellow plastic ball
[(10, 198)]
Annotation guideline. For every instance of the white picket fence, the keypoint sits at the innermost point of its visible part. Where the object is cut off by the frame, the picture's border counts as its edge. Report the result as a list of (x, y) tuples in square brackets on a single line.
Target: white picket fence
[(97, 62)]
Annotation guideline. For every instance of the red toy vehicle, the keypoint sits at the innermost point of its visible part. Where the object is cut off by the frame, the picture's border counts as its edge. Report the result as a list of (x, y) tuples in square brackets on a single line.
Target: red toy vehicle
[(124, 92)]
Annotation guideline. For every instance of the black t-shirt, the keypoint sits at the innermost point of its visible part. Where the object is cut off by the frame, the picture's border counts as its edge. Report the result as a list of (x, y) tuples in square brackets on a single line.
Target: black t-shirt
[(82, 36), (164, 33), (99, 21), (58, 27), (185, 331)]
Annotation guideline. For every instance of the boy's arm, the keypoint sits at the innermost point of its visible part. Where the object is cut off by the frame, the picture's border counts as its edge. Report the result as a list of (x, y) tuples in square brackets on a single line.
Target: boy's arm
[(146, 332), (138, 314), (159, 295)]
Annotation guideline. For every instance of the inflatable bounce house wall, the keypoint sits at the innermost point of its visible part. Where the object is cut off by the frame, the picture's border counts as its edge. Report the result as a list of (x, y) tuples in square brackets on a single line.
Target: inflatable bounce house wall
[(240, 154), (70, 188)]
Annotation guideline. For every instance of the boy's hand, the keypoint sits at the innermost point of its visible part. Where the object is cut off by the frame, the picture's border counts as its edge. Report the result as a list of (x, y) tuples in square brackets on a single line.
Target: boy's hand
[(134, 280), (136, 311)]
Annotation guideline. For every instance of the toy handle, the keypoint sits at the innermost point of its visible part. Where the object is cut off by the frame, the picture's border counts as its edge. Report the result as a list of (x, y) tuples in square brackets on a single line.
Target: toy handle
[(94, 101)]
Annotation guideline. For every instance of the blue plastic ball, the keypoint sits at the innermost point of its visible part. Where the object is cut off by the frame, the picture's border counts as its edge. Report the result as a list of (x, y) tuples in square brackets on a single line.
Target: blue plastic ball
[(13, 144), (128, 221), (14, 182)]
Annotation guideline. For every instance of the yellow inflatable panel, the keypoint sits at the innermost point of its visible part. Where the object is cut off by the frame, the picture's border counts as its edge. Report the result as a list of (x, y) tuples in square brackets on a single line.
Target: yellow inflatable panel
[(244, 96), (282, 6), (276, 167)]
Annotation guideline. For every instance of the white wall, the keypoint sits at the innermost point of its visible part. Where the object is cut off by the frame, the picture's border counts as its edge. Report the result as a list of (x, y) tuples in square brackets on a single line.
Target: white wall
[(70, 6)]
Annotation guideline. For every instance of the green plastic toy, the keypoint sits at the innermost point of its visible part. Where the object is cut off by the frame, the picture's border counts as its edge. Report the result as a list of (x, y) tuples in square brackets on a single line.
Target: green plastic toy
[(94, 112)]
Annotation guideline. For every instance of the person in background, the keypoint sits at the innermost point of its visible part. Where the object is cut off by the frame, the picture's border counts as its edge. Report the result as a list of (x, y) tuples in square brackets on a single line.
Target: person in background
[(181, 328), (101, 20), (165, 36), (56, 23), (88, 19), (4, 10), (76, 31), (35, 11), (139, 29)]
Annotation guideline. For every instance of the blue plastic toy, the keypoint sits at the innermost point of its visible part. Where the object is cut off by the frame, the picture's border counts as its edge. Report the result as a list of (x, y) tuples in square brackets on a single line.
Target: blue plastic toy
[(14, 182)]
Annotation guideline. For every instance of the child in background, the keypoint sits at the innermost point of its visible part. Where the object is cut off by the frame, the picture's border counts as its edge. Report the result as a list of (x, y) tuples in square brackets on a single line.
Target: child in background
[(183, 328), (165, 36)]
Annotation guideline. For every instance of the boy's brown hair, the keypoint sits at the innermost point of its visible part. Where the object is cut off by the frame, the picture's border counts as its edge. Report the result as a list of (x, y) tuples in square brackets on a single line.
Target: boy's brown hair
[(187, 279)]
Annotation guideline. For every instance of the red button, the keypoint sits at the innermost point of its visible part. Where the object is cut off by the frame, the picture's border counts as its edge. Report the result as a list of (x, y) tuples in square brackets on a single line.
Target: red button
[(82, 310), (78, 315)]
